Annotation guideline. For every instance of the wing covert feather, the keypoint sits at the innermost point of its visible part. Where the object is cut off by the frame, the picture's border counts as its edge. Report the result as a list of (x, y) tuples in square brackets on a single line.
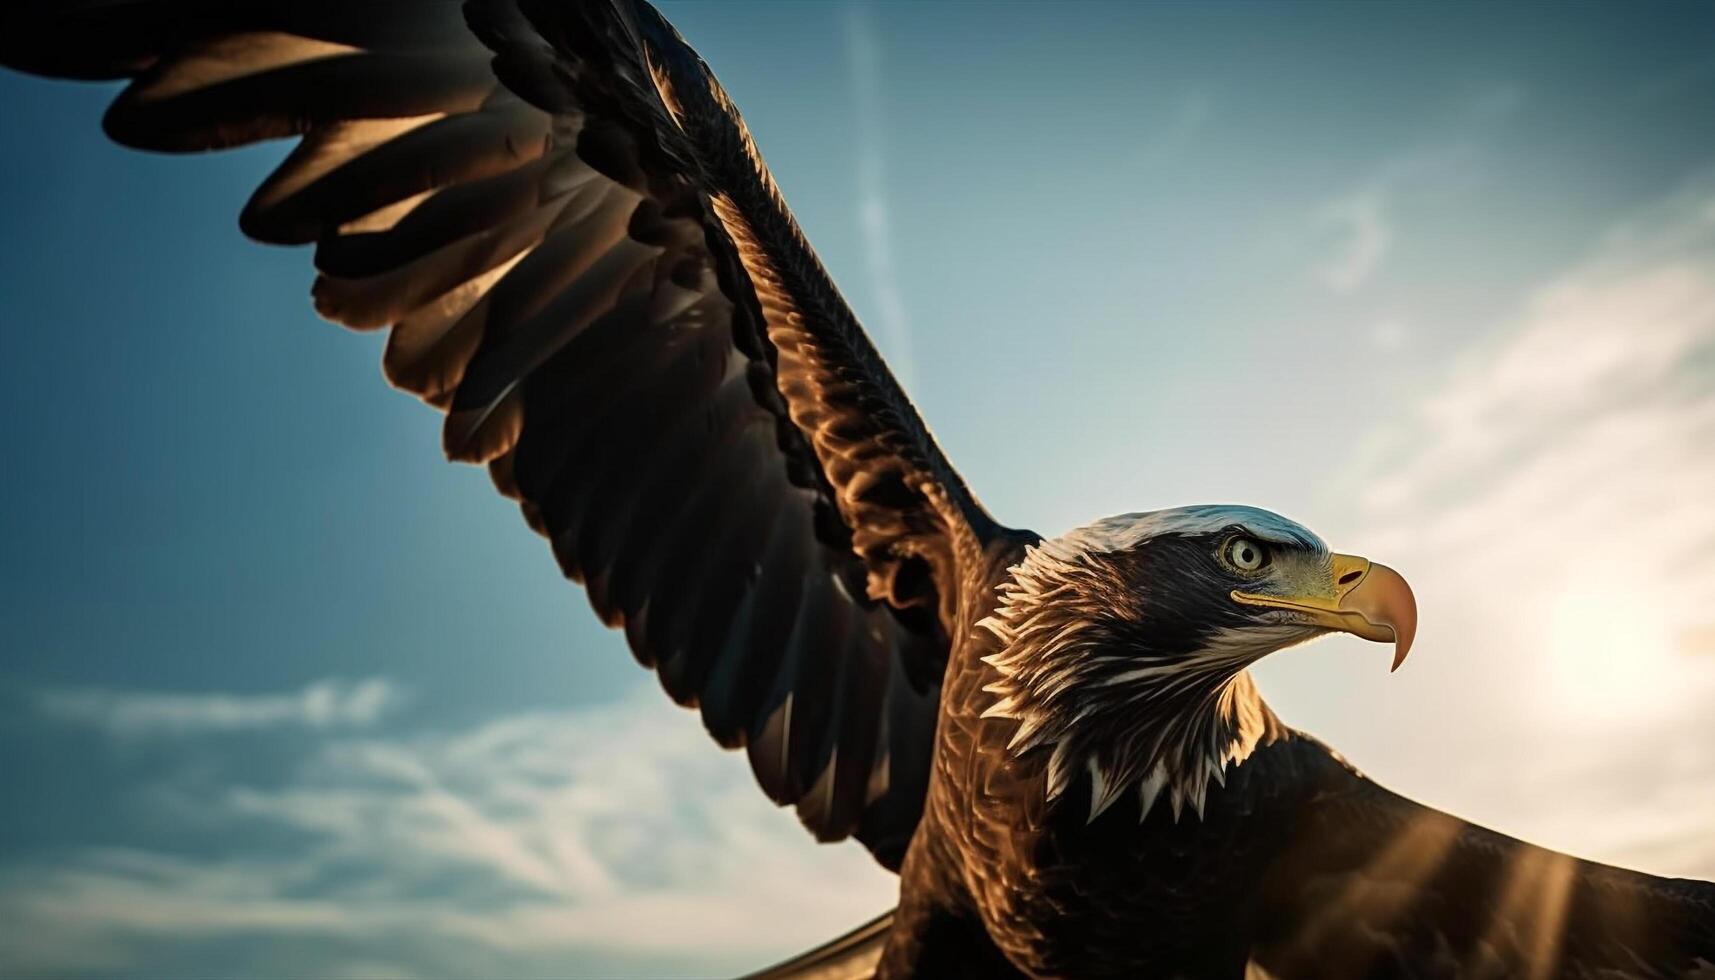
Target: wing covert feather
[(1374, 885)]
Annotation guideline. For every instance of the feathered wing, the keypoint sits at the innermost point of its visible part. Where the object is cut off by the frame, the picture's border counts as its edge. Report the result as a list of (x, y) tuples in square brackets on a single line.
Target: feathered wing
[(853, 956), (1371, 884), (581, 258)]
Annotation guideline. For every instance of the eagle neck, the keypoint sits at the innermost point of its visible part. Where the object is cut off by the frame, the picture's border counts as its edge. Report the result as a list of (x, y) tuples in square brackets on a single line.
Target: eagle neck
[(1093, 700)]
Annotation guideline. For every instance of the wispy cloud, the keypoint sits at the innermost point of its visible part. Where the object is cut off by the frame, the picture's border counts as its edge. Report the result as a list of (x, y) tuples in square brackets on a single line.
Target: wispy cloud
[(325, 704), (874, 210), (1555, 487), (1545, 490), (1598, 399), (1360, 223), (537, 842)]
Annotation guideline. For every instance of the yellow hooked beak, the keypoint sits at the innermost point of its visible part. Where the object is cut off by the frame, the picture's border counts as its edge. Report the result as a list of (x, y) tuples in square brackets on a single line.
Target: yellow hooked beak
[(1362, 598)]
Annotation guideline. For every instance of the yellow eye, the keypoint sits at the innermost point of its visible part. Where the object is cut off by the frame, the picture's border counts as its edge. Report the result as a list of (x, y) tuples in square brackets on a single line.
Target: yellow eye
[(1246, 555)]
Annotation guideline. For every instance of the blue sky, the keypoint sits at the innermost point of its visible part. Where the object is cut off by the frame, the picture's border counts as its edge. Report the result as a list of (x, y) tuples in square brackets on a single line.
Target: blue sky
[(284, 693)]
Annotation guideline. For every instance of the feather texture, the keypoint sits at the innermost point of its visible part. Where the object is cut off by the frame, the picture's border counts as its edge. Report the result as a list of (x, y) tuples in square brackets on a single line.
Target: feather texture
[(597, 294), (1371, 884)]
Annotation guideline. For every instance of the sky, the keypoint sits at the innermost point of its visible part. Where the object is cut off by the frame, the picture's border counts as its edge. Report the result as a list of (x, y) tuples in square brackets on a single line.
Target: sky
[(282, 693)]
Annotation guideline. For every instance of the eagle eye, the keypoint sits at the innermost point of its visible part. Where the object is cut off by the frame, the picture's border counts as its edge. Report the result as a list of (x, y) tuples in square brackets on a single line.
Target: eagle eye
[(1246, 554)]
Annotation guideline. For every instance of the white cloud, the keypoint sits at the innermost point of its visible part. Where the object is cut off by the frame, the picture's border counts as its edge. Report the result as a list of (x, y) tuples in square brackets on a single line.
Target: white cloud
[(325, 704), (1547, 494), (1577, 444), (1360, 221), (874, 213), (1360, 225), (537, 842), (1549, 499)]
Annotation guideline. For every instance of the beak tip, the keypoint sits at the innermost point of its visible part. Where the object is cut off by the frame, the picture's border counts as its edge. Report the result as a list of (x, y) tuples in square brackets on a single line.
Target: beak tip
[(1401, 647), (1388, 602)]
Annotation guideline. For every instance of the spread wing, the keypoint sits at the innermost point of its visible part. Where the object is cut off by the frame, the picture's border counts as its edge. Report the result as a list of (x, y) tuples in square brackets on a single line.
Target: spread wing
[(1373, 885), (581, 258)]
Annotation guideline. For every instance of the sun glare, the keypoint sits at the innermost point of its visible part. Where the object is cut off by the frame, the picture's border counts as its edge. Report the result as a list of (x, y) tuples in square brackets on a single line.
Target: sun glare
[(1609, 653)]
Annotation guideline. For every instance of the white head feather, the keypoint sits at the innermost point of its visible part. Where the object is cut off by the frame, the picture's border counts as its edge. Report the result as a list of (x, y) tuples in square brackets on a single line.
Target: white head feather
[(1058, 670)]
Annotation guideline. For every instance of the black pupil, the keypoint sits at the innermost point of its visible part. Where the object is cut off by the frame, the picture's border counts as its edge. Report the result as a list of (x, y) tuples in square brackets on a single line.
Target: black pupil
[(1245, 555)]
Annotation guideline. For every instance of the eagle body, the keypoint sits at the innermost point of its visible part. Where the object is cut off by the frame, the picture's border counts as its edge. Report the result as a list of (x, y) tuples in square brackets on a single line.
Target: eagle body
[(1052, 892), (580, 258), (1124, 895)]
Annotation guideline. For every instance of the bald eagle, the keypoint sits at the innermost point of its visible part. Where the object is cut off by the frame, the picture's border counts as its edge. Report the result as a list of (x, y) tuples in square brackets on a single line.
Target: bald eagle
[(583, 261)]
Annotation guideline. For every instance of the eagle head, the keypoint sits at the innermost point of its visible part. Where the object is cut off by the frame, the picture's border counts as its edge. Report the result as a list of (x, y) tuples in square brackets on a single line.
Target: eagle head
[(1123, 644)]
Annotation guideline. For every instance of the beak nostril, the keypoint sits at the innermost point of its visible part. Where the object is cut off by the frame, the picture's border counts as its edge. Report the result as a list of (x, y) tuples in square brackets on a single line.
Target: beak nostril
[(1351, 576)]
